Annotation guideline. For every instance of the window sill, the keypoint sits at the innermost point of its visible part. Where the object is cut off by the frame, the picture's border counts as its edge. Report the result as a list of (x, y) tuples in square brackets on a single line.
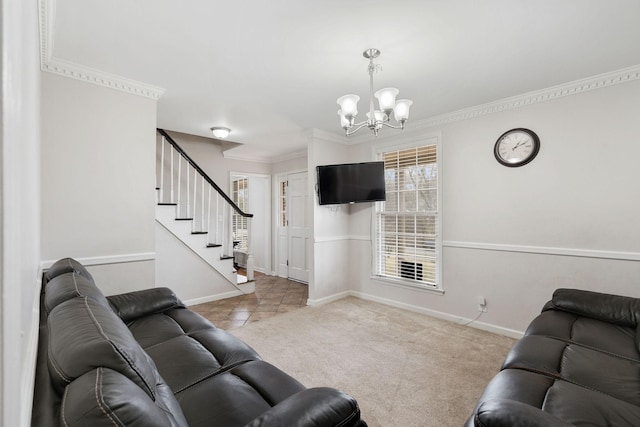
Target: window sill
[(408, 285)]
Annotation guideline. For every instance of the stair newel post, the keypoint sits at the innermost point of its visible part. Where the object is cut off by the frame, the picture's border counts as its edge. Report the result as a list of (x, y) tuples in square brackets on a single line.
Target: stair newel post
[(162, 170), (249, 251)]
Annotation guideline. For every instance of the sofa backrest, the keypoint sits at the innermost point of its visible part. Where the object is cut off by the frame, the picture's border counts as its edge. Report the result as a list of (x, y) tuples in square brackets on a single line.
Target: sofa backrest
[(95, 363)]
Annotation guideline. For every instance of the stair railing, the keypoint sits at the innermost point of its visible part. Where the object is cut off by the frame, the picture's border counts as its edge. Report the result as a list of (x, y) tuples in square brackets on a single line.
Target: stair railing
[(209, 214)]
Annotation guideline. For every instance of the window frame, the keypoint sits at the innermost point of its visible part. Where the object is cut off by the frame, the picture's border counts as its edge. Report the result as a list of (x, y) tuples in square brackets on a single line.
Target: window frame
[(377, 152), (238, 222)]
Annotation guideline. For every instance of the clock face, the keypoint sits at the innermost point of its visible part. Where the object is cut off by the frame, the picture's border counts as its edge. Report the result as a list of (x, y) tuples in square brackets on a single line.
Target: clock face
[(516, 147)]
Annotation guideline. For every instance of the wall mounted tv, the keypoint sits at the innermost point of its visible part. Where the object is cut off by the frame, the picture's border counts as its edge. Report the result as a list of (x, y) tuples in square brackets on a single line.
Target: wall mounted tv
[(351, 183)]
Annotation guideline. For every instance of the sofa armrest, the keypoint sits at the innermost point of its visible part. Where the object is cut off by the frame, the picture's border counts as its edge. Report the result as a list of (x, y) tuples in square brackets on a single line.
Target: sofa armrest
[(132, 305), (315, 407), (508, 413), (623, 311)]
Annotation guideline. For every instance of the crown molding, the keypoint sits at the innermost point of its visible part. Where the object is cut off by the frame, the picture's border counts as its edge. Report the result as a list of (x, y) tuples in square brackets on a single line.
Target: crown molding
[(572, 88), (246, 158), (81, 72), (319, 134), (289, 156)]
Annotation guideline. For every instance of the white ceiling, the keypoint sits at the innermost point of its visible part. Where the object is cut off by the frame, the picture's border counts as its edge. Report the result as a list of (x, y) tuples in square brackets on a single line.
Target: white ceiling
[(270, 70)]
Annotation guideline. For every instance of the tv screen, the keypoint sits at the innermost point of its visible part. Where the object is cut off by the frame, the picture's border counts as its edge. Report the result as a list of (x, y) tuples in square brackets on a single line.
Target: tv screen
[(351, 183)]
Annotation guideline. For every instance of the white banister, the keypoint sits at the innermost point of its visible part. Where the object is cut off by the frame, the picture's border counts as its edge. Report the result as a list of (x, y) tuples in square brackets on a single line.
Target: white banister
[(171, 176), (179, 185), (162, 170), (188, 194), (202, 206), (195, 200), (209, 216)]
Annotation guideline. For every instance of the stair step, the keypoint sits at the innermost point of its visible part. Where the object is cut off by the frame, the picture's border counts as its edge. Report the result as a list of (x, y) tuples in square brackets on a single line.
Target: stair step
[(226, 257), (199, 232), (213, 245), (184, 219), (167, 204)]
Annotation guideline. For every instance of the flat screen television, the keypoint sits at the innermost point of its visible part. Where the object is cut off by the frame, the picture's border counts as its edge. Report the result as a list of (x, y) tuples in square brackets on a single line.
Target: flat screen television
[(351, 183)]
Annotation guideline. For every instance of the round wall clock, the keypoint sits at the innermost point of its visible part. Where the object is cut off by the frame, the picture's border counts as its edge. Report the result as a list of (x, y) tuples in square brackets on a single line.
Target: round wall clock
[(516, 147)]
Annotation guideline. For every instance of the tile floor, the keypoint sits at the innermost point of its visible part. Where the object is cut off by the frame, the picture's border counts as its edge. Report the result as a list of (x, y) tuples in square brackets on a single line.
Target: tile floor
[(273, 296)]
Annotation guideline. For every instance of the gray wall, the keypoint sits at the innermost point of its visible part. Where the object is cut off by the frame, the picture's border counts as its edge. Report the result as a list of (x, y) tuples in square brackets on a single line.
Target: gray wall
[(513, 235), (98, 180)]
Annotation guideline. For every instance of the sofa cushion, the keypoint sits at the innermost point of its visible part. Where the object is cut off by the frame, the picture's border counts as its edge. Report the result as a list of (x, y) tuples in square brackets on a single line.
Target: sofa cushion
[(621, 310), (67, 265), (187, 348), (71, 285), (570, 403), (132, 305), (608, 337), (583, 366), (103, 397), (106, 342), (237, 396)]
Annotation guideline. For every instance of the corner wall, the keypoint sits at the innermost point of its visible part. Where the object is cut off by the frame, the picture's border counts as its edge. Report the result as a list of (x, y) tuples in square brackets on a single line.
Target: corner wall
[(329, 251), (98, 180), (19, 209), (514, 235)]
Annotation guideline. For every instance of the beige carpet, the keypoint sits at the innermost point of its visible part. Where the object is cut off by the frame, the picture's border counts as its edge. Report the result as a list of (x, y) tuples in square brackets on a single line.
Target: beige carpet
[(403, 368)]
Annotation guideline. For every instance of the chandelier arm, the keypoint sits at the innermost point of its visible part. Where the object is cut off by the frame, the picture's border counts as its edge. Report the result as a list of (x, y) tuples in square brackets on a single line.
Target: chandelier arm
[(355, 128), (393, 126)]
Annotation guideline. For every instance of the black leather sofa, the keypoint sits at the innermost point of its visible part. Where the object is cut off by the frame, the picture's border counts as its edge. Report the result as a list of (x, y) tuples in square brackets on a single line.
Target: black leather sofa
[(577, 365), (143, 359)]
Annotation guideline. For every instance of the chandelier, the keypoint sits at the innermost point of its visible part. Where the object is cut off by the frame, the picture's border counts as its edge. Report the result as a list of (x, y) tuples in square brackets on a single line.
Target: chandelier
[(387, 104)]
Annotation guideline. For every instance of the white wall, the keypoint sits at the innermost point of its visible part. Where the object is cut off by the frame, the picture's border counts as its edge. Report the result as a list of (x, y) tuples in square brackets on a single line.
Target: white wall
[(513, 235), (98, 180), (189, 276), (329, 250), (19, 209)]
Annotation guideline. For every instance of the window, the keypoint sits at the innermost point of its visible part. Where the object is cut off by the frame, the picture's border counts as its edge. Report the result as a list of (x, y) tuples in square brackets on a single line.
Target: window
[(282, 205), (240, 196), (407, 223)]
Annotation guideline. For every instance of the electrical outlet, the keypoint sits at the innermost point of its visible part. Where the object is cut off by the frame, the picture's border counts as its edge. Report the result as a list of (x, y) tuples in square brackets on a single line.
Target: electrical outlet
[(482, 304)]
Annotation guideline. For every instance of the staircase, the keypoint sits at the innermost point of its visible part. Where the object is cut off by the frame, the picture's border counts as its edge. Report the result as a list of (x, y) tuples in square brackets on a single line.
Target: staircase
[(198, 212)]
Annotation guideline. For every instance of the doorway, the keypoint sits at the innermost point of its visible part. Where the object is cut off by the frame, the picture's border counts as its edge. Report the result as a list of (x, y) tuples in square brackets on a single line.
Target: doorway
[(292, 228), (251, 193)]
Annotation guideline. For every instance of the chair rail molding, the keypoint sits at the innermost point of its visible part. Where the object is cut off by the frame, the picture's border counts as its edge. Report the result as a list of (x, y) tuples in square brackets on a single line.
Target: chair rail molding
[(51, 64), (543, 250)]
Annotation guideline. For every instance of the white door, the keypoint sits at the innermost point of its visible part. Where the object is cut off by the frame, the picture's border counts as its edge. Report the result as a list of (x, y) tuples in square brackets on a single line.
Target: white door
[(298, 228)]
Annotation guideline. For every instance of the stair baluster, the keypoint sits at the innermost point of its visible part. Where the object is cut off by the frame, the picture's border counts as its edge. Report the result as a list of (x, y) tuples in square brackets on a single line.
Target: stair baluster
[(220, 232)]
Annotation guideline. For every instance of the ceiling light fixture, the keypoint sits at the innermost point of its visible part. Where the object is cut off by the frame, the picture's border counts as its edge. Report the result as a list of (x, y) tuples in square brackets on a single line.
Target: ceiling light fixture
[(387, 103), (220, 132)]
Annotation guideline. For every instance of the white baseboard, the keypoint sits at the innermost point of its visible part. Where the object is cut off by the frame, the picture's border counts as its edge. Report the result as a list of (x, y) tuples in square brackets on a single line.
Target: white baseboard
[(511, 333), (210, 298), (330, 298)]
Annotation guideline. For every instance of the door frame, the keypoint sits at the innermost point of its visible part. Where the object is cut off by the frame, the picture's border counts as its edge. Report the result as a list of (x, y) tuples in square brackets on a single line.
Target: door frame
[(267, 221), (276, 216)]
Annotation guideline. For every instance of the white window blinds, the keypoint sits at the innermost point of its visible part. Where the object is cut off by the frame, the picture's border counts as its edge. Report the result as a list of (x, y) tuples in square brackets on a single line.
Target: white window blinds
[(407, 222), (240, 196)]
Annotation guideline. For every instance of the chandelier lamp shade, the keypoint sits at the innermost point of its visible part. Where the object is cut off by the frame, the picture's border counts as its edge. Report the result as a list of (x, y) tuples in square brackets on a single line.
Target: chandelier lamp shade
[(387, 104), (220, 132)]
